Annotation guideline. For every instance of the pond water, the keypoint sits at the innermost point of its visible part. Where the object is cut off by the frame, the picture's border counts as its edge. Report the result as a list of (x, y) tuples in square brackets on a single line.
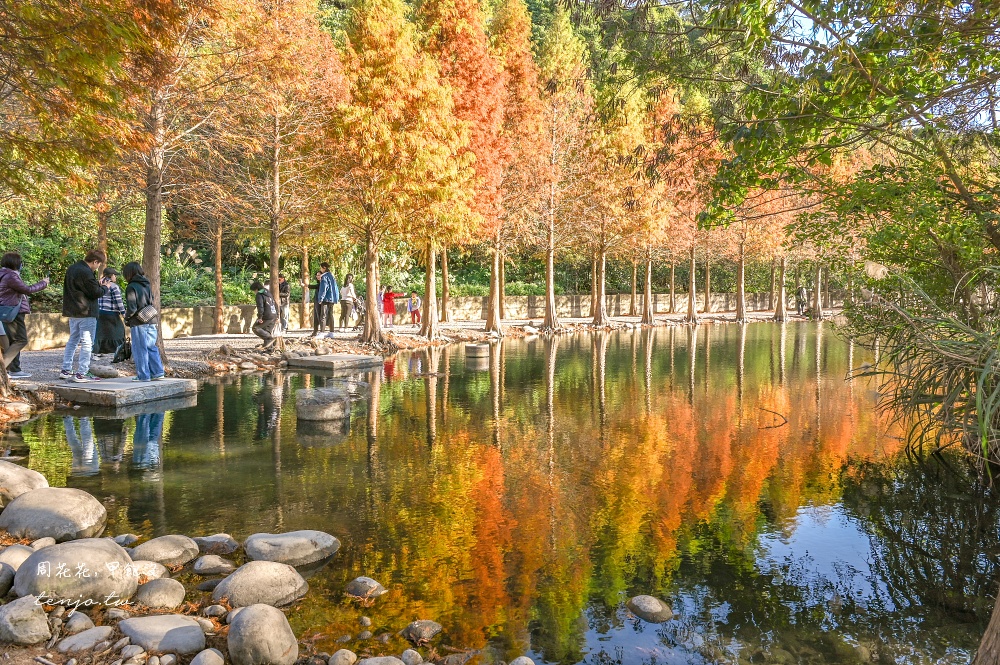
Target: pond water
[(519, 499)]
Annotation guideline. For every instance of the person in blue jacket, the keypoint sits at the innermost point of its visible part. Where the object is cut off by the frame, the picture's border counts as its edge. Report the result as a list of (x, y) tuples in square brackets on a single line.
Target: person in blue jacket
[(327, 295)]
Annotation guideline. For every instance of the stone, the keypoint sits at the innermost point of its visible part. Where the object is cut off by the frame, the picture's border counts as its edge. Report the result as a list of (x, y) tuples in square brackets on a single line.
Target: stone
[(116, 614), (15, 555), (208, 657), (649, 609), (62, 513), (421, 631), (15, 480), (260, 635), (381, 660), (296, 548), (57, 612), (411, 657), (209, 585), (116, 581), (173, 550), (42, 542), (126, 539), (384, 638), (76, 622), (168, 659), (365, 621), (474, 350), (171, 633), (131, 651), (212, 564), (343, 657), (161, 594), (120, 644), (365, 635), (153, 660), (365, 588), (86, 640), (150, 569), (6, 579), (104, 372), (232, 614), (214, 611), (522, 660), (206, 626), (267, 582), (23, 621), (322, 404), (220, 543)]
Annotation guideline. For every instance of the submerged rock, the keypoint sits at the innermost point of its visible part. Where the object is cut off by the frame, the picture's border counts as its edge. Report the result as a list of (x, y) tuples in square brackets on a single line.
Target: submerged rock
[(365, 588), (421, 631), (650, 609), (115, 579), (296, 548), (266, 582), (322, 404), (173, 550), (62, 513), (260, 635)]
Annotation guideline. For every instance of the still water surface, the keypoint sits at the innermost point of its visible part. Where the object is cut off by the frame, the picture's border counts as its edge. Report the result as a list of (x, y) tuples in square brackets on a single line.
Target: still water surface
[(518, 500)]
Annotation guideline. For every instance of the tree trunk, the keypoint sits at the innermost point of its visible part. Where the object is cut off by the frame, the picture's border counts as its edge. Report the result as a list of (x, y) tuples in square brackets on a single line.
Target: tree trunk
[(155, 162), (600, 299), (593, 285), (632, 309), (673, 289), (429, 324), (551, 317), (647, 293), (102, 230), (274, 253), (494, 322), (4, 382), (445, 314), (989, 646), (503, 287), (304, 276), (741, 295), (372, 333), (780, 309), (770, 295), (818, 293), (220, 298), (708, 285), (692, 314), (826, 290)]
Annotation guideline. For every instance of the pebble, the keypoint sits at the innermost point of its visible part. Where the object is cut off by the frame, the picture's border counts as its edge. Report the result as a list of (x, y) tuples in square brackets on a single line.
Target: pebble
[(77, 622), (365, 635), (343, 657), (384, 638), (208, 657), (71, 661), (214, 611), (413, 657), (120, 644), (131, 651), (365, 621), (522, 660), (344, 638), (206, 625), (57, 611), (117, 614), (168, 659), (153, 660)]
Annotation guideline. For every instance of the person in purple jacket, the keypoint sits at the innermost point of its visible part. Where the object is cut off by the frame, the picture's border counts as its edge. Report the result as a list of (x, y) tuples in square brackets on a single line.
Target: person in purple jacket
[(14, 292)]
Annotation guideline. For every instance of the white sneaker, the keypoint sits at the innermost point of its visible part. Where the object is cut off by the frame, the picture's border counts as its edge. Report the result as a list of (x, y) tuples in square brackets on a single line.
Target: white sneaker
[(19, 375)]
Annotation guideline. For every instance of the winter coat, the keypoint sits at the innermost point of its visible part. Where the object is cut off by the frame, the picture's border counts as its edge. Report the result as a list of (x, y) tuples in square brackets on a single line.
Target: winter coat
[(81, 291), (13, 290), (328, 289), (266, 310), (138, 294)]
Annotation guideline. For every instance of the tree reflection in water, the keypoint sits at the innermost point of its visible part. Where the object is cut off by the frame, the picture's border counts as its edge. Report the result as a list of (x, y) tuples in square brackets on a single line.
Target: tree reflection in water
[(520, 500)]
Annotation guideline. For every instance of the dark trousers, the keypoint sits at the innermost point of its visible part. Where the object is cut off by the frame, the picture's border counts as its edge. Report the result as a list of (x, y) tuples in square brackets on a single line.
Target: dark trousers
[(265, 330), (17, 339), (324, 314), (346, 307)]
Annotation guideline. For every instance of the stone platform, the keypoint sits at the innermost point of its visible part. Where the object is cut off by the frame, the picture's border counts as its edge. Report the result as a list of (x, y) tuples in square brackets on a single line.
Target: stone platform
[(336, 363), (122, 392)]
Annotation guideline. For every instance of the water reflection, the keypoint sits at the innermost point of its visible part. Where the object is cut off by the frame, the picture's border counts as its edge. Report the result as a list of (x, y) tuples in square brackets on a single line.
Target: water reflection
[(519, 499)]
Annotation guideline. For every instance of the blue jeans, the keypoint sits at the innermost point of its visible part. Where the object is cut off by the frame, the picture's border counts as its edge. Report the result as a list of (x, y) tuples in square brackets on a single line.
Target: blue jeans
[(81, 334), (145, 353), (146, 438)]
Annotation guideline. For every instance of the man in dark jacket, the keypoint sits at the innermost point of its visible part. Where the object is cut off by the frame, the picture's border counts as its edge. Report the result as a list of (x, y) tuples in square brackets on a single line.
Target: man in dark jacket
[(284, 295), (80, 293), (267, 315)]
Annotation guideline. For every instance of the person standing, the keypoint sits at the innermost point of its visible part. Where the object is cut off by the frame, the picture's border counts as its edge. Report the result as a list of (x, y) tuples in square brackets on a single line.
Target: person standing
[(14, 293), (389, 306), (267, 315), (347, 297), (110, 309), (284, 298), (80, 293), (139, 296), (801, 298), (413, 307), (327, 295)]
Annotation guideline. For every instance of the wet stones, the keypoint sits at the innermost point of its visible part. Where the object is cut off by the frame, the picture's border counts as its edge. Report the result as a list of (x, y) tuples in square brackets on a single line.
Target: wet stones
[(115, 582), (650, 609), (260, 635), (265, 582), (296, 548), (322, 404), (421, 631), (364, 588), (62, 513), (173, 550)]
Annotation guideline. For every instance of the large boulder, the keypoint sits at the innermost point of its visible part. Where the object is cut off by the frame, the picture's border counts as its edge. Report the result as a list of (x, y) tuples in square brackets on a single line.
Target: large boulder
[(267, 582), (219, 543), (296, 548), (23, 621), (93, 569), (173, 550), (15, 480), (322, 404), (260, 635), (167, 633), (160, 594), (62, 513), (649, 608), (15, 555)]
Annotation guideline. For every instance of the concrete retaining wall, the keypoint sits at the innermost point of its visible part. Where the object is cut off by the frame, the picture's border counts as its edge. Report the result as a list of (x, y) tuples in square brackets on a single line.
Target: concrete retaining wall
[(46, 331)]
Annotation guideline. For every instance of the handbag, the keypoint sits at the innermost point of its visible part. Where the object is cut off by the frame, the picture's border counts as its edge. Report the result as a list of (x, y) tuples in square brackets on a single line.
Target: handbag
[(9, 312), (123, 353), (146, 314)]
